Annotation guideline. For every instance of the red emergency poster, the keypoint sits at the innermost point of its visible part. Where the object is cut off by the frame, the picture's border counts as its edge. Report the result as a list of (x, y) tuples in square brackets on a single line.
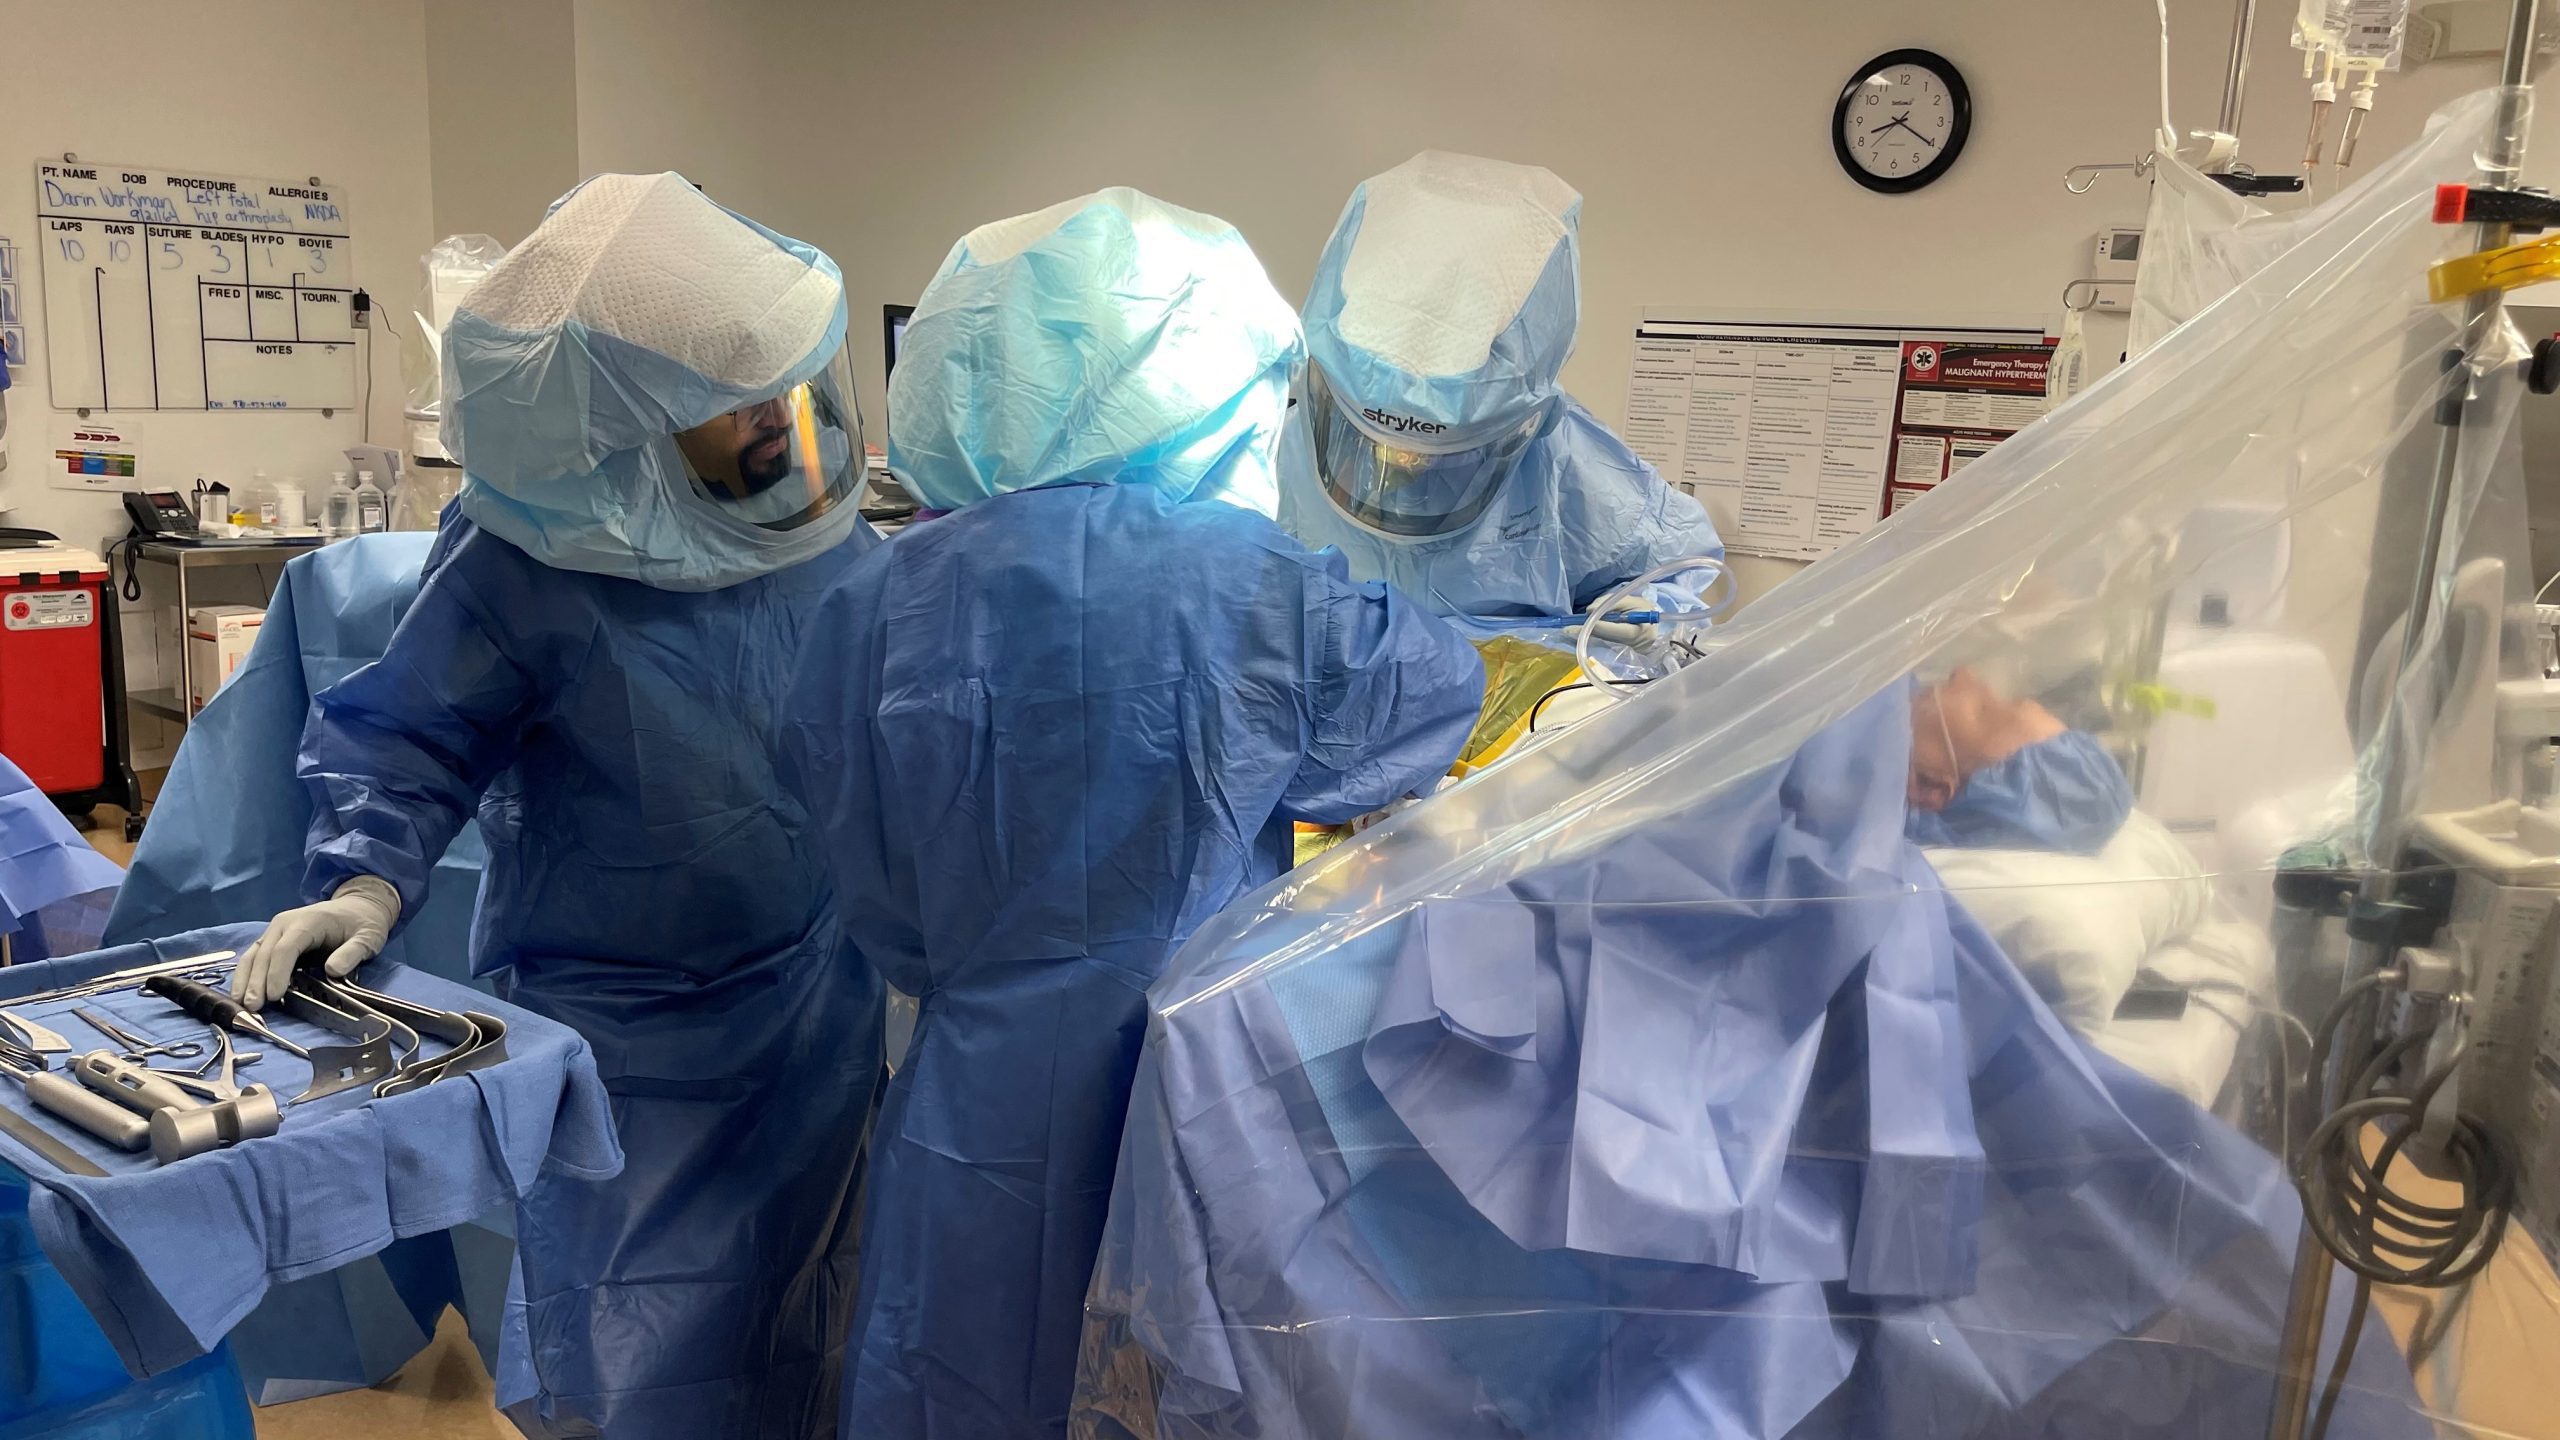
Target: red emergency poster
[(1957, 401)]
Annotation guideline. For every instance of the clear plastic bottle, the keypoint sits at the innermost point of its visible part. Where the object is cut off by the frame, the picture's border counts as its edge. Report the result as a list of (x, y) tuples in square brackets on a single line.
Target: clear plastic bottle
[(373, 509), (338, 512)]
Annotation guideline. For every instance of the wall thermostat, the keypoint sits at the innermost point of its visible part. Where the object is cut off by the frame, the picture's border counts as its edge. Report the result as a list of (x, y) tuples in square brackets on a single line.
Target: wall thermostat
[(2115, 259)]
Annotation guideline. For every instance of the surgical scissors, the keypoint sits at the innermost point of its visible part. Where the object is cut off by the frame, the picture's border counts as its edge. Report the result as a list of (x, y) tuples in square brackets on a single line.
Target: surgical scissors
[(136, 1047)]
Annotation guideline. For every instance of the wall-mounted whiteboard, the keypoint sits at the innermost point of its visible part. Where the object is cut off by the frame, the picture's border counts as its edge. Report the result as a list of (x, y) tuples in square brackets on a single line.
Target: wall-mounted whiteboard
[(168, 291)]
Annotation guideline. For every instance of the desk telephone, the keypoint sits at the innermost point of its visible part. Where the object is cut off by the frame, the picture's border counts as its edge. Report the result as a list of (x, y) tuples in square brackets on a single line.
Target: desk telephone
[(161, 514)]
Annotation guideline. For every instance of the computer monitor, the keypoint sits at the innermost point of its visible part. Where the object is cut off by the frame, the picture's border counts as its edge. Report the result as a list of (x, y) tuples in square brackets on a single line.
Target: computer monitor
[(893, 329)]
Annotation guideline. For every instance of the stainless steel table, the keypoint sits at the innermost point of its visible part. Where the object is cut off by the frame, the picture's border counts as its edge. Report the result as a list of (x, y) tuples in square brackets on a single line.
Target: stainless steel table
[(186, 558)]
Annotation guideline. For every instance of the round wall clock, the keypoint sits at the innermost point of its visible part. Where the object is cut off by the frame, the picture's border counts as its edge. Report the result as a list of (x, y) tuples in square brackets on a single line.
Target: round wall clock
[(1902, 120)]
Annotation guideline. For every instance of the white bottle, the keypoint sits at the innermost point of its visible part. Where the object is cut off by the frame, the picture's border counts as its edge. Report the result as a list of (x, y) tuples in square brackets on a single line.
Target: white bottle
[(338, 512), (373, 512)]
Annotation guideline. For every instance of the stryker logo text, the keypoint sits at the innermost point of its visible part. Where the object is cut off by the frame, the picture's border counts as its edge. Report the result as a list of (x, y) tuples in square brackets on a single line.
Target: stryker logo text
[(1402, 424)]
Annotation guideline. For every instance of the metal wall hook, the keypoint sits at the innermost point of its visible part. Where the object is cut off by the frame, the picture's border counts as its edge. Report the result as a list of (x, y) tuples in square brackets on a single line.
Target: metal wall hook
[(2087, 175), (2093, 282)]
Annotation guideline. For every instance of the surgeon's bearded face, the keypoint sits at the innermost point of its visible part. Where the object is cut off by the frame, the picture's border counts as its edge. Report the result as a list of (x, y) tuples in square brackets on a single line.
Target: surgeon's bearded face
[(745, 452)]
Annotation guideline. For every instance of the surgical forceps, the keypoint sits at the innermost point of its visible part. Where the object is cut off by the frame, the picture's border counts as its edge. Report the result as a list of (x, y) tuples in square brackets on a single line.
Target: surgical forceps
[(138, 1047)]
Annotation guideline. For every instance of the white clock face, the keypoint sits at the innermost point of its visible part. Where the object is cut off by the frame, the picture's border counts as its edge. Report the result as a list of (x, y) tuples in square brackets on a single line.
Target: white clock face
[(1899, 121)]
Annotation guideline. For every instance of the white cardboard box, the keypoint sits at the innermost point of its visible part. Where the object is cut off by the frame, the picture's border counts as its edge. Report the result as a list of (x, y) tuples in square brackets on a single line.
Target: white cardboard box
[(218, 639)]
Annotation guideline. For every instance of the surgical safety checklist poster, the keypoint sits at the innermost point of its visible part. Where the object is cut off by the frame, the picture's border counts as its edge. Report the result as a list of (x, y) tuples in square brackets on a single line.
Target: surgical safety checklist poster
[(1800, 436)]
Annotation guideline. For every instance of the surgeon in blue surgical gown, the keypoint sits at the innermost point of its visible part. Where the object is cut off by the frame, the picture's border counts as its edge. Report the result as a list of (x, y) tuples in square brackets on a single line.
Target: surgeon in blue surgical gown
[(655, 418), (1054, 731)]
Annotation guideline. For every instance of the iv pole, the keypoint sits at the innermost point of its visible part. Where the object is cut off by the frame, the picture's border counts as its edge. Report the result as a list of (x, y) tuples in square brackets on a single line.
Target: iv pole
[(2235, 81), (2221, 157), (2314, 1268)]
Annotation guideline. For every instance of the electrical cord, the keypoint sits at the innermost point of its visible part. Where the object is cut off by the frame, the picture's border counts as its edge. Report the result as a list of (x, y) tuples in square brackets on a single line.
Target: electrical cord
[(2349, 1206), (1542, 700), (2429, 1333), (131, 545), (377, 313), (2378, 1234), (2325, 1033)]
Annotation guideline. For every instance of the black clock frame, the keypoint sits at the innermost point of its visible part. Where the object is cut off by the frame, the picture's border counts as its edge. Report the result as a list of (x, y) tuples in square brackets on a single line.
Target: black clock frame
[(1962, 130)]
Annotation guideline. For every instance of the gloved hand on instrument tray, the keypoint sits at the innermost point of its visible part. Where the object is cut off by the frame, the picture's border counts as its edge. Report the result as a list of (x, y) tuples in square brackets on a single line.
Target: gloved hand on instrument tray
[(351, 926)]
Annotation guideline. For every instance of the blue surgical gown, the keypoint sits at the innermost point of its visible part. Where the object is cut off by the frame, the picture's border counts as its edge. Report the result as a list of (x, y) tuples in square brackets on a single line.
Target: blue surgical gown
[(1579, 516), (650, 884), (1051, 734)]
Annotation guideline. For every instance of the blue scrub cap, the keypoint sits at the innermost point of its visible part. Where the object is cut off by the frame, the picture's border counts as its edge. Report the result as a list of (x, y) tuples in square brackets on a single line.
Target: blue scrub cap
[(637, 309), (1112, 338), (1448, 295)]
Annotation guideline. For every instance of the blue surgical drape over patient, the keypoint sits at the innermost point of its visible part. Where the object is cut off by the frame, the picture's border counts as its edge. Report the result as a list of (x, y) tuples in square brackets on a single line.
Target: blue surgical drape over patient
[(1741, 1127)]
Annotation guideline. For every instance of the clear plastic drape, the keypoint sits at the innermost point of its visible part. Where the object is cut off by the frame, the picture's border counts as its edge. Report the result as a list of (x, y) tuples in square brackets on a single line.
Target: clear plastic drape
[(1900, 1021)]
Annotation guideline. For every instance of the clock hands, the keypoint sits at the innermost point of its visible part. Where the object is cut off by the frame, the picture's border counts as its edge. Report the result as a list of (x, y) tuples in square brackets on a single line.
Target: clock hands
[(1905, 122)]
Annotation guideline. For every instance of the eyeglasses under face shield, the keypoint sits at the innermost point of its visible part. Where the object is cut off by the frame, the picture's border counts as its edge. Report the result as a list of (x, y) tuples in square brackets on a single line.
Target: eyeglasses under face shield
[(1406, 476), (785, 460)]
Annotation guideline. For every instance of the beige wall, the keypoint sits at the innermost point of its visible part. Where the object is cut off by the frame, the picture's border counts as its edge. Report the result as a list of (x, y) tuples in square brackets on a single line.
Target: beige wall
[(1697, 131), (502, 108)]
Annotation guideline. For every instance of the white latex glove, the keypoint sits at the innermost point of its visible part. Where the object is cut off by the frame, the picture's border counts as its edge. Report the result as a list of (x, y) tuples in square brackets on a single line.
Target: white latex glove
[(351, 925), (1620, 632)]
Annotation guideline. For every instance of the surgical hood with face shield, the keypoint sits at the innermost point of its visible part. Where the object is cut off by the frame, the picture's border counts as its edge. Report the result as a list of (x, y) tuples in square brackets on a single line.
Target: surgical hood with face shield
[(656, 388), (1443, 308)]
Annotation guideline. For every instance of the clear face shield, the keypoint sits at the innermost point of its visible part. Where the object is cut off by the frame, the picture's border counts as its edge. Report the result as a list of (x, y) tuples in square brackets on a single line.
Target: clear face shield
[(1405, 476), (783, 461)]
